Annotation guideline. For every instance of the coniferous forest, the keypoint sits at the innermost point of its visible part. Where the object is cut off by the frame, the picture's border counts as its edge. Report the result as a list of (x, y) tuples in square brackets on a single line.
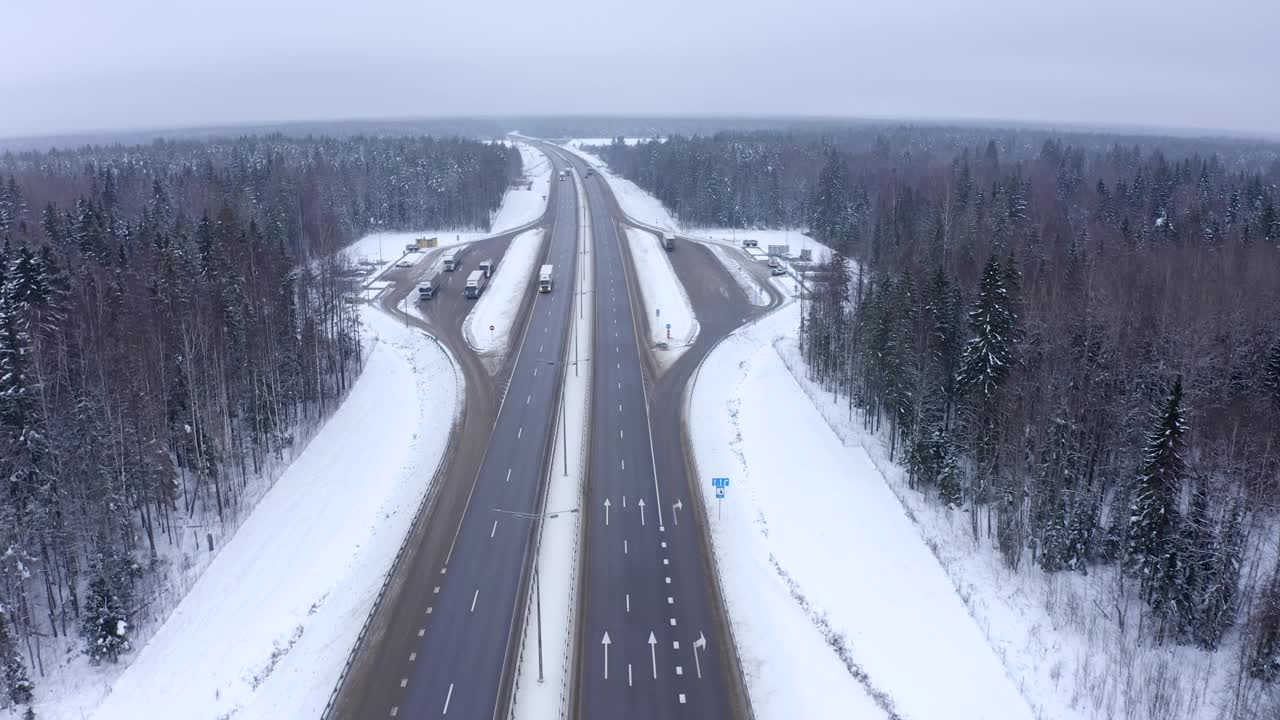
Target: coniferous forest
[(172, 323), (1073, 339)]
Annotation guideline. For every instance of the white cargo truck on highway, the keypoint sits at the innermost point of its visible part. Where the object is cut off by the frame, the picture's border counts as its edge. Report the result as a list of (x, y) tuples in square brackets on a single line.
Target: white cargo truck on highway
[(427, 289), (544, 279), (452, 260), (475, 284)]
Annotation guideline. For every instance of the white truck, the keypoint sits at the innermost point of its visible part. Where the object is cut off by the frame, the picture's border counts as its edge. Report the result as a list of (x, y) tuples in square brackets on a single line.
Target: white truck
[(668, 241), (475, 284), (544, 279), (427, 289), (452, 260), (486, 267)]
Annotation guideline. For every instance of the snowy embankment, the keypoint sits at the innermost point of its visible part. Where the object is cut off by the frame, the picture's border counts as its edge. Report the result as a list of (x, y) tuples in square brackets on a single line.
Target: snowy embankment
[(838, 606), (640, 206), (507, 289), (522, 205), (665, 301), (267, 629)]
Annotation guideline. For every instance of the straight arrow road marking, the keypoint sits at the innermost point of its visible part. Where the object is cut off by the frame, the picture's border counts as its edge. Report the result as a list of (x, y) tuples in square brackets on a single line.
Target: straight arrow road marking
[(606, 511), (699, 644), (606, 642), (653, 653), (641, 504)]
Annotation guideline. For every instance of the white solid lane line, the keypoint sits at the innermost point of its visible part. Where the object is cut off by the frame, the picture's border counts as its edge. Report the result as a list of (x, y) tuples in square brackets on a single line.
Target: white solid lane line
[(494, 530), (509, 479), (519, 432), (477, 597), (447, 698)]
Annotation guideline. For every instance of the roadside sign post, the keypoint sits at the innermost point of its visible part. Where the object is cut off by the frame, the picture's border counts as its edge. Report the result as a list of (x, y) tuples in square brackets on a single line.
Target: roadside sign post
[(719, 484), (668, 331), (491, 333)]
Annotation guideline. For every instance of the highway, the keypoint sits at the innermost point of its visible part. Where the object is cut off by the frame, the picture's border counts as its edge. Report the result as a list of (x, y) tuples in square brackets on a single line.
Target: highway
[(443, 641), (653, 639)]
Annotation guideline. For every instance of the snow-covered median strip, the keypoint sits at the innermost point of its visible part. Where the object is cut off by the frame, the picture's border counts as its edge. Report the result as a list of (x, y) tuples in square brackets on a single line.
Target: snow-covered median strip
[(839, 608), (507, 289), (665, 301), (266, 630)]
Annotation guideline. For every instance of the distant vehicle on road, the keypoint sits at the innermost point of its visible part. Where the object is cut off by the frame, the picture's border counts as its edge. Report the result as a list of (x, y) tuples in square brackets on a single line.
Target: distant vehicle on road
[(411, 248), (775, 266), (590, 172), (475, 284), (544, 279), (404, 263), (486, 267), (427, 289), (668, 241), (748, 242), (564, 174), (452, 260)]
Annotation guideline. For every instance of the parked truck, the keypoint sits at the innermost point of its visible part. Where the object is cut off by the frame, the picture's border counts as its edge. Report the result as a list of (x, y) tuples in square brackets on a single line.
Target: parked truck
[(475, 284), (544, 279), (452, 260), (427, 289), (668, 241)]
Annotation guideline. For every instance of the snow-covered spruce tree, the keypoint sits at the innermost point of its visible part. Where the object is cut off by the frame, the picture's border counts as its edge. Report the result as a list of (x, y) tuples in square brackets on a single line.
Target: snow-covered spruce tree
[(1271, 375), (1219, 598), (831, 220), (986, 359), (17, 685), (1153, 544), (104, 626)]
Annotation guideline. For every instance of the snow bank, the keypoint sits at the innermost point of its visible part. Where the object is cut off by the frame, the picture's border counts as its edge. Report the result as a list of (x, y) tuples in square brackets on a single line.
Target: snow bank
[(639, 205), (665, 301), (507, 289), (521, 205), (266, 630), (838, 606)]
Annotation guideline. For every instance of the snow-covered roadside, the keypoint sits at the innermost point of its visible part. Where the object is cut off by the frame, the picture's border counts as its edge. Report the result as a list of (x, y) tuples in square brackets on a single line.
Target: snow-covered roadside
[(861, 618), (639, 205), (558, 549), (521, 205), (499, 303), (267, 628), (729, 259), (665, 300)]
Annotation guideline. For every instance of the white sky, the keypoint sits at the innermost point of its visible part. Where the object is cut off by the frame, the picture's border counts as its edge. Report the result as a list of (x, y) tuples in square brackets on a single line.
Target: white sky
[(92, 64)]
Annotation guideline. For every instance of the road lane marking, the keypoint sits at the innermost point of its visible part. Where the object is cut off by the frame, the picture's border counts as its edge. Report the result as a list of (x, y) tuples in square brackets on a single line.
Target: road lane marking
[(422, 631), (395, 710), (665, 561), (527, 398), (668, 581), (509, 478), (679, 670), (447, 698), (436, 591), (428, 611), (413, 656), (539, 348), (664, 543), (495, 528), (681, 698), (675, 644), (626, 550), (619, 433), (628, 602), (404, 681), (443, 570), (673, 622), (519, 432), (628, 674), (671, 600), (624, 464), (474, 598)]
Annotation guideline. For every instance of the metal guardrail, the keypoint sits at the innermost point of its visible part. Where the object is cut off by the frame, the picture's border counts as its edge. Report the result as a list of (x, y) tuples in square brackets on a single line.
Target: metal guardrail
[(427, 499)]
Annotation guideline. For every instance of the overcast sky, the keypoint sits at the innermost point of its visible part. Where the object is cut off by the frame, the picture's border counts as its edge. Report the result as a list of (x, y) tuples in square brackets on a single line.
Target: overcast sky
[(75, 65)]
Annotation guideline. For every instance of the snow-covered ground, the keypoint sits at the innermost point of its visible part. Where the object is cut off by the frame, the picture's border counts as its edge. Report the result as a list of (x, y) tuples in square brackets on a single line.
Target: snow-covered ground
[(521, 206), (558, 551), (837, 604), (507, 289), (665, 300), (266, 630), (639, 205), (732, 262)]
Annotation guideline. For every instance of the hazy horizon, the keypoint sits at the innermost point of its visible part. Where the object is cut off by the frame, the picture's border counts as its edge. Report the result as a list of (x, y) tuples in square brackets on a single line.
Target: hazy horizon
[(143, 65)]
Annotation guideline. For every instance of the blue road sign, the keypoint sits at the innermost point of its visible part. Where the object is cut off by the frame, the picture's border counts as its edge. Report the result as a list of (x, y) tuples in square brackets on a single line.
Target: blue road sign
[(720, 494), (668, 326), (720, 483)]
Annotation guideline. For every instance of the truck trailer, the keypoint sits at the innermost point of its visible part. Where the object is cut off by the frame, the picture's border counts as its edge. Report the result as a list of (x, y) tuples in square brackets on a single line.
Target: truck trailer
[(544, 279), (475, 284), (427, 289), (668, 241), (452, 260)]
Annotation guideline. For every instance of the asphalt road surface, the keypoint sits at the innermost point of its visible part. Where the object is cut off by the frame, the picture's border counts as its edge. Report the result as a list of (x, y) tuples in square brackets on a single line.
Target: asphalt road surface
[(443, 642), (653, 635)]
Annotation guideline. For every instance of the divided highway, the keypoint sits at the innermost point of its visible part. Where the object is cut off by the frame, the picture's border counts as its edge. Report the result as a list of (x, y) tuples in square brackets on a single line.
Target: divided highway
[(446, 643), (652, 637)]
